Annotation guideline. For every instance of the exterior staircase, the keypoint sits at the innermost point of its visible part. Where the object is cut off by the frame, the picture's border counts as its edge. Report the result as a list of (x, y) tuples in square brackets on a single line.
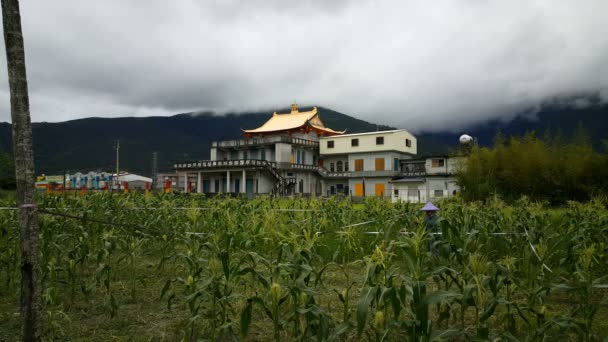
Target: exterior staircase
[(283, 184)]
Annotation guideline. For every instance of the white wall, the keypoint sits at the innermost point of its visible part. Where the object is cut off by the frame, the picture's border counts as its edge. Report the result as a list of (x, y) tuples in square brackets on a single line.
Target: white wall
[(282, 152), (447, 186), (393, 140), (335, 159), (369, 160), (370, 185), (450, 165), (419, 190)]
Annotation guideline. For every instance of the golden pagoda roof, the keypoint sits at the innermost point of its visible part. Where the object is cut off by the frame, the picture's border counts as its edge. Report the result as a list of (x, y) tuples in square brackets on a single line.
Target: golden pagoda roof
[(289, 121)]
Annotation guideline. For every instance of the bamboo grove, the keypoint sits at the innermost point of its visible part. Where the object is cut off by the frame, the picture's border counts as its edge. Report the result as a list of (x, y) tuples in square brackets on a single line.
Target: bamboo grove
[(227, 269)]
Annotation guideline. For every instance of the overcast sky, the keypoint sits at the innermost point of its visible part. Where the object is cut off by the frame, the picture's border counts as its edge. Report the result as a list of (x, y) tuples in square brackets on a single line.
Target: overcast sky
[(414, 64)]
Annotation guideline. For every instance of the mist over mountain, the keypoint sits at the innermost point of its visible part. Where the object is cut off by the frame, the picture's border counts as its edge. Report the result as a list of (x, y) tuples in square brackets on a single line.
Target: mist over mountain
[(88, 144), (558, 117)]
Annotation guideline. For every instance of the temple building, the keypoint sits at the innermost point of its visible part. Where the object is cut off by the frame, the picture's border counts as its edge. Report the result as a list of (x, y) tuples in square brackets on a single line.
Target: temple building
[(295, 153)]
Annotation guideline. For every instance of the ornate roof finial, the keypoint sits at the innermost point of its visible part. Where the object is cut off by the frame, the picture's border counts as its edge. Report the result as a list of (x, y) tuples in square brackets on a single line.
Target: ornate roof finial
[(294, 108)]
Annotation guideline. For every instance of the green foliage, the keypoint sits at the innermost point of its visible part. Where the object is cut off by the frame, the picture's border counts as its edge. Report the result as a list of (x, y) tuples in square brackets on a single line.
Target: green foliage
[(230, 269), (7, 171), (539, 169)]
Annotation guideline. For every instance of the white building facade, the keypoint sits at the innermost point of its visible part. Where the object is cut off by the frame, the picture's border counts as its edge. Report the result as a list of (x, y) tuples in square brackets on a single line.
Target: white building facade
[(426, 179), (365, 162), (296, 154)]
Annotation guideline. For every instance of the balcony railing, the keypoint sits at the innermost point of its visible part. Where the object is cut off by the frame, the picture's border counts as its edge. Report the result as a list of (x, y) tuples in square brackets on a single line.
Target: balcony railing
[(383, 173), (210, 164), (264, 141)]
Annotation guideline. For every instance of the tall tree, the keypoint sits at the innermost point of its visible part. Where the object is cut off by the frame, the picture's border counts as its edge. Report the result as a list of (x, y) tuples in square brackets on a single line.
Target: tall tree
[(24, 171)]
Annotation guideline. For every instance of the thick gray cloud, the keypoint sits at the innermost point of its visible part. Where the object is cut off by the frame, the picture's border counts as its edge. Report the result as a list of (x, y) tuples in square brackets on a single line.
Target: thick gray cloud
[(415, 64)]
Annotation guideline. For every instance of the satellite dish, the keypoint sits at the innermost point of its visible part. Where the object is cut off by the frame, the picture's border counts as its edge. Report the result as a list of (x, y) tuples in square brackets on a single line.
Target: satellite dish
[(465, 139)]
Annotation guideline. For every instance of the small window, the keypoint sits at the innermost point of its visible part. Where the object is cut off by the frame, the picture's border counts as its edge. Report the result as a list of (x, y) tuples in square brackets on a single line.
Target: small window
[(245, 155), (339, 166), (354, 142), (438, 193), (408, 143), (438, 162), (396, 164), (396, 192), (330, 144), (263, 154), (379, 140), (346, 166), (331, 167)]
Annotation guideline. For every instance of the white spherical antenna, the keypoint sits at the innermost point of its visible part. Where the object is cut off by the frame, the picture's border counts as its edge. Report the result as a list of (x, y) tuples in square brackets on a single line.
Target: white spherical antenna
[(465, 139)]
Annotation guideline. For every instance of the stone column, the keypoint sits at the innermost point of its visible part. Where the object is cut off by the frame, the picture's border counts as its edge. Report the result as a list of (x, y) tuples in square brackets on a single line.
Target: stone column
[(186, 182), (228, 181), (199, 185), (243, 182)]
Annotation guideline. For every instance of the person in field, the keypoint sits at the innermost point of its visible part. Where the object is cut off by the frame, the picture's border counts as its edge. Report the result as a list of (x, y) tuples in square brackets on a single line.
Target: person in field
[(431, 221)]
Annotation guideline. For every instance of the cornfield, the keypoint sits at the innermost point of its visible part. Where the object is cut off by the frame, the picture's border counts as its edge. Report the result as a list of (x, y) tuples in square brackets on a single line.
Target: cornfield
[(168, 267)]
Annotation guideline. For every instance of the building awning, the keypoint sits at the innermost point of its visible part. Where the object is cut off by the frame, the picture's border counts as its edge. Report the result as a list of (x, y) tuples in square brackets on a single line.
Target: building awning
[(128, 177), (408, 180)]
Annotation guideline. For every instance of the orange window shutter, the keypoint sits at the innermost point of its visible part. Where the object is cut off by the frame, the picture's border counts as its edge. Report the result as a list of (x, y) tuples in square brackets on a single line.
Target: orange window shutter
[(379, 164), (358, 164), (380, 190), (359, 189)]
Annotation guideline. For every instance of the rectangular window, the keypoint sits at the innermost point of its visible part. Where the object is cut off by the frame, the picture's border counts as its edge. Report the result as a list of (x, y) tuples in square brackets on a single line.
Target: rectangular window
[(263, 154), (408, 143), (379, 190), (297, 157), (359, 191), (234, 155), (379, 140), (438, 163), (245, 155), (396, 192), (438, 193), (346, 166), (396, 164), (358, 164), (254, 154), (331, 167), (354, 142), (303, 157), (330, 144), (379, 164)]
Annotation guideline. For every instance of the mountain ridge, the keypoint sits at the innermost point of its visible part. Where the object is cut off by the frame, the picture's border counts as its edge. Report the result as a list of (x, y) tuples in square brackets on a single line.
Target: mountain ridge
[(87, 143)]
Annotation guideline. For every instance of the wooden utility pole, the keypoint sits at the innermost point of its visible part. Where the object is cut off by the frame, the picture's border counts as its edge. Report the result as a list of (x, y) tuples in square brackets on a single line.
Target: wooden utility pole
[(24, 171)]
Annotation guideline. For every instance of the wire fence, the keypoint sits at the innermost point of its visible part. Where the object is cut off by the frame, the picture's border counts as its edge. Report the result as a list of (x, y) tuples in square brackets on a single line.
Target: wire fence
[(50, 211)]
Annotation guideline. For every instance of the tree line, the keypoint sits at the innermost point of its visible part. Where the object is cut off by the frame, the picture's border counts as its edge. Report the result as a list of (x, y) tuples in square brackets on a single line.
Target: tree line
[(548, 168)]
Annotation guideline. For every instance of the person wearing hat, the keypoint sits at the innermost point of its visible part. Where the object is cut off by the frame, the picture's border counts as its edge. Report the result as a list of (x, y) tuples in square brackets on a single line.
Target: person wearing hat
[(431, 221)]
